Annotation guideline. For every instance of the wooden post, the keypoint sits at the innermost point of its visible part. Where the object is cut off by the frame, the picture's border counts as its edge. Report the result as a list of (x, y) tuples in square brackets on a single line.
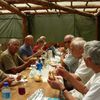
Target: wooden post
[(25, 32), (98, 25)]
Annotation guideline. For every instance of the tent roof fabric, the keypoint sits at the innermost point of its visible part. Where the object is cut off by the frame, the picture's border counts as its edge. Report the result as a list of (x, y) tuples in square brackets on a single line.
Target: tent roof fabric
[(23, 7)]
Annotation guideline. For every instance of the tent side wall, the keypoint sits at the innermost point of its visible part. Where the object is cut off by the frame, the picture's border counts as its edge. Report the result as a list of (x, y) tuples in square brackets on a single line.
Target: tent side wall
[(10, 27), (56, 26)]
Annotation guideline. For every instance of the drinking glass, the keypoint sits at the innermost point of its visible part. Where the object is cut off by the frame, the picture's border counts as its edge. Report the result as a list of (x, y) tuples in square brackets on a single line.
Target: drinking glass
[(21, 90)]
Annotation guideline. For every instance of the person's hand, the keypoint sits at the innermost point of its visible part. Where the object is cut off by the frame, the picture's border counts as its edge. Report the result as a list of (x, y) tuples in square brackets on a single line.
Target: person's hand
[(39, 52), (62, 72), (30, 61), (14, 71), (33, 60), (19, 77), (45, 43), (9, 80), (56, 84)]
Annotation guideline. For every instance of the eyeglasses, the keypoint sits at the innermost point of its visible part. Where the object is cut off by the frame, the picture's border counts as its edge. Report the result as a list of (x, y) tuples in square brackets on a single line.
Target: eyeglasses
[(67, 41)]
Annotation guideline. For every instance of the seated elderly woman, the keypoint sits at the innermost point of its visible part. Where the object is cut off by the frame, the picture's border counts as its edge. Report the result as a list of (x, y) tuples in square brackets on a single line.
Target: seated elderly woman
[(43, 38), (45, 45), (90, 91), (39, 45), (10, 60)]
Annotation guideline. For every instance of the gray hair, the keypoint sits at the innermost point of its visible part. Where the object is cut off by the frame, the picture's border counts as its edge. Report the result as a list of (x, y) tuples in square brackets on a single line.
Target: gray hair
[(43, 37), (39, 40), (92, 49), (12, 41), (78, 42)]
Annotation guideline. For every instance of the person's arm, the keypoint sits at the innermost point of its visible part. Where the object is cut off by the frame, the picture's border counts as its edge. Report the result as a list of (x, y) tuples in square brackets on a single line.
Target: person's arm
[(56, 84), (37, 54), (76, 76), (68, 96), (17, 69), (7, 79), (25, 58), (76, 83), (20, 68), (63, 63)]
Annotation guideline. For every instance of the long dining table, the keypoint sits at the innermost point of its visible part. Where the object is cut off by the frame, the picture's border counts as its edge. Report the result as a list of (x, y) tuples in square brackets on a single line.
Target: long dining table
[(30, 87)]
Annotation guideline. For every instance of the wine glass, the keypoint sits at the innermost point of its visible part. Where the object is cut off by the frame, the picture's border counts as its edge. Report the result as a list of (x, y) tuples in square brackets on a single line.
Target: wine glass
[(21, 90)]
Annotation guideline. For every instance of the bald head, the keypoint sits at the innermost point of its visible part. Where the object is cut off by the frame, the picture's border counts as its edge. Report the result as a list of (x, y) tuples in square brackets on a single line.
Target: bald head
[(28, 40), (29, 36), (67, 40), (68, 37)]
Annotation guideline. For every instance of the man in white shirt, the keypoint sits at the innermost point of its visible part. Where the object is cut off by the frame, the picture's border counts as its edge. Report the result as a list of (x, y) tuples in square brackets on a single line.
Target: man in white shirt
[(82, 73), (90, 91)]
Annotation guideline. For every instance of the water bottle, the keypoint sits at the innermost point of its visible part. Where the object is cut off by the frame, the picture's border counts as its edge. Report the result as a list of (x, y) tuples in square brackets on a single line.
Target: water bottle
[(39, 65), (6, 94)]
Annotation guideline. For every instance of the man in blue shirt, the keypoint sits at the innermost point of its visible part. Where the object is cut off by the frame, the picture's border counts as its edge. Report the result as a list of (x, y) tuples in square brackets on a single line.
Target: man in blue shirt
[(25, 51)]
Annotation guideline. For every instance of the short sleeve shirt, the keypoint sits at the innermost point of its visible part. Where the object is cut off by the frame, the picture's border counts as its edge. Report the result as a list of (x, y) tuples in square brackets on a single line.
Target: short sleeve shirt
[(9, 61), (25, 51), (94, 88), (84, 72), (71, 62)]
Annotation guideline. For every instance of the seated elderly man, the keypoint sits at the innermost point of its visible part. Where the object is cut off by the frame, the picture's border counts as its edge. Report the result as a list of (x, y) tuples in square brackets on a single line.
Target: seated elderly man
[(82, 73), (90, 91), (68, 60), (10, 60), (25, 51)]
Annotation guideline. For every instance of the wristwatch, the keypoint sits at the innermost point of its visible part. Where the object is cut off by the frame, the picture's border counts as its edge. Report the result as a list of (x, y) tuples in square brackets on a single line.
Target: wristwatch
[(63, 90)]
